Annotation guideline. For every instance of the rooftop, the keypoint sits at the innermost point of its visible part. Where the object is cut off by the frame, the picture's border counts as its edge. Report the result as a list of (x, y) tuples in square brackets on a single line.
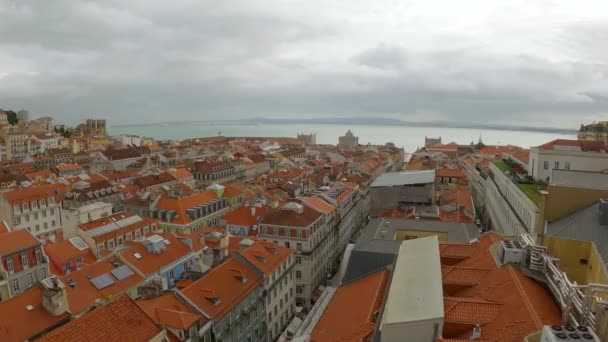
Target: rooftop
[(17, 323), (180, 205), (150, 263), (223, 287), (288, 217), (574, 146), (530, 189), (16, 240), (405, 178), (120, 320), (350, 315), (266, 256), (169, 311), (580, 179)]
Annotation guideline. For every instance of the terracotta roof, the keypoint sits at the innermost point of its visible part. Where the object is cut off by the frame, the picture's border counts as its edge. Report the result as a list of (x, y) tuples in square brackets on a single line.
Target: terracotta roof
[(180, 205), (150, 263), (284, 217), (67, 167), (125, 153), (18, 324), (85, 294), (35, 193), (120, 320), (319, 204), (151, 180), (223, 285), (16, 240), (40, 175), (4, 228), (507, 304), (169, 311), (232, 190), (242, 216), (64, 250), (180, 173), (349, 316), (584, 145), (266, 256)]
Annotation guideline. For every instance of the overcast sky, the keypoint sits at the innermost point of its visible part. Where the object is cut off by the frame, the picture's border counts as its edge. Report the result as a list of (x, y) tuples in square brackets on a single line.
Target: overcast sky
[(538, 62)]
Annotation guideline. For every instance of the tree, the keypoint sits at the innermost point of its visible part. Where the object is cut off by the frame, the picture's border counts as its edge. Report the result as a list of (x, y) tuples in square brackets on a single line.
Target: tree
[(12, 117)]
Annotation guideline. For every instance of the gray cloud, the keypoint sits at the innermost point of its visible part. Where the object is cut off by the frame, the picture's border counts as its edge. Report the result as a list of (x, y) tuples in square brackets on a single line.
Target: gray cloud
[(146, 61)]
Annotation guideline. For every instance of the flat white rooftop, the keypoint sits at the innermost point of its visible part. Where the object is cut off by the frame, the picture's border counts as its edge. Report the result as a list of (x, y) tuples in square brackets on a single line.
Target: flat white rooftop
[(416, 291)]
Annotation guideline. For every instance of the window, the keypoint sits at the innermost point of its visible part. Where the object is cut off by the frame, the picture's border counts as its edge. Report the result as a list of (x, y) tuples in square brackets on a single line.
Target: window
[(546, 165), (129, 237), (275, 310), (34, 204), (119, 241), (299, 289), (44, 213), (35, 215), (556, 165), (30, 280), (78, 259), (38, 254), (299, 246), (53, 223), (46, 225), (110, 244), (37, 227), (52, 211), (275, 231), (298, 275), (137, 234), (298, 260), (51, 200), (15, 286), (24, 260), (100, 248), (269, 316), (146, 230), (9, 264), (27, 218), (287, 244), (567, 166)]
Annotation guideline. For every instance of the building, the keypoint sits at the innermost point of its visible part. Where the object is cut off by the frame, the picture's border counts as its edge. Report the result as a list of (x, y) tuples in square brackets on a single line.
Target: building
[(597, 131), (111, 233), (3, 118), (512, 207), (414, 304), (581, 155), (244, 220), (348, 141), (23, 115), (187, 214), (17, 142), (67, 170), (304, 230), (158, 256), (22, 261), (85, 192), (430, 141), (73, 218), (120, 320), (180, 321), (308, 139), (231, 296), (37, 209), (112, 159), (396, 189), (68, 255), (220, 172), (278, 265)]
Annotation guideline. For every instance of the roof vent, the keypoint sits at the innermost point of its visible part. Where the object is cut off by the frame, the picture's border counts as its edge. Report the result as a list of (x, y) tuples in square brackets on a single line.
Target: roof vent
[(137, 256), (29, 307)]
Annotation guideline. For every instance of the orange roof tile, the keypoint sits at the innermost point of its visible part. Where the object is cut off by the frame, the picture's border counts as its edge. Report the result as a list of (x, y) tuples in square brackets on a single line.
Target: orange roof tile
[(180, 205), (233, 190), (17, 323), (180, 173), (4, 228), (150, 263), (584, 145), (16, 240), (507, 304), (445, 172), (242, 216), (266, 256), (349, 316), (64, 250), (67, 167), (35, 193), (85, 294), (222, 284), (169, 311), (319, 204), (120, 320)]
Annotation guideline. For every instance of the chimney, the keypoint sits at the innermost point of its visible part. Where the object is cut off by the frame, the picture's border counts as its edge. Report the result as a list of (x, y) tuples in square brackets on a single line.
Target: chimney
[(54, 297), (603, 211), (476, 335)]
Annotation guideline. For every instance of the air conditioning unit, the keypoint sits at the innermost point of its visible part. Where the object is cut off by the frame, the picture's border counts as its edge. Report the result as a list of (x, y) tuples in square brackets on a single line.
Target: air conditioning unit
[(511, 252), (561, 333)]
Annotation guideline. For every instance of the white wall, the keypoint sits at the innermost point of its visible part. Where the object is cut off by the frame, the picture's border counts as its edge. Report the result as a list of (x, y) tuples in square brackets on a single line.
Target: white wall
[(582, 161)]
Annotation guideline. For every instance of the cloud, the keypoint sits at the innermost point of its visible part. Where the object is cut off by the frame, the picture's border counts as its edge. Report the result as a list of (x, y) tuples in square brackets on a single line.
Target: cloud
[(148, 60)]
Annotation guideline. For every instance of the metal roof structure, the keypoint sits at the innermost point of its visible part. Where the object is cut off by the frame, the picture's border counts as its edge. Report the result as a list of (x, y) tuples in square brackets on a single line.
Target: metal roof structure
[(416, 291), (580, 179), (114, 225), (404, 178)]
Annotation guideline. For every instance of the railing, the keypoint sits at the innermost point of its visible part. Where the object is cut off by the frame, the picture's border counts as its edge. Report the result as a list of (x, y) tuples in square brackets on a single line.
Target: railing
[(580, 304)]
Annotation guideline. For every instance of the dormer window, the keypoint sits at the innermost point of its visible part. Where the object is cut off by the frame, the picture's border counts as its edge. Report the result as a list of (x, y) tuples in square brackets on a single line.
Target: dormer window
[(261, 258)]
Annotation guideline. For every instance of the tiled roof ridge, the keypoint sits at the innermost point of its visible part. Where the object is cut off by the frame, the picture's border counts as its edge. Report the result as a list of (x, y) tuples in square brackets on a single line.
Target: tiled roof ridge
[(524, 296)]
